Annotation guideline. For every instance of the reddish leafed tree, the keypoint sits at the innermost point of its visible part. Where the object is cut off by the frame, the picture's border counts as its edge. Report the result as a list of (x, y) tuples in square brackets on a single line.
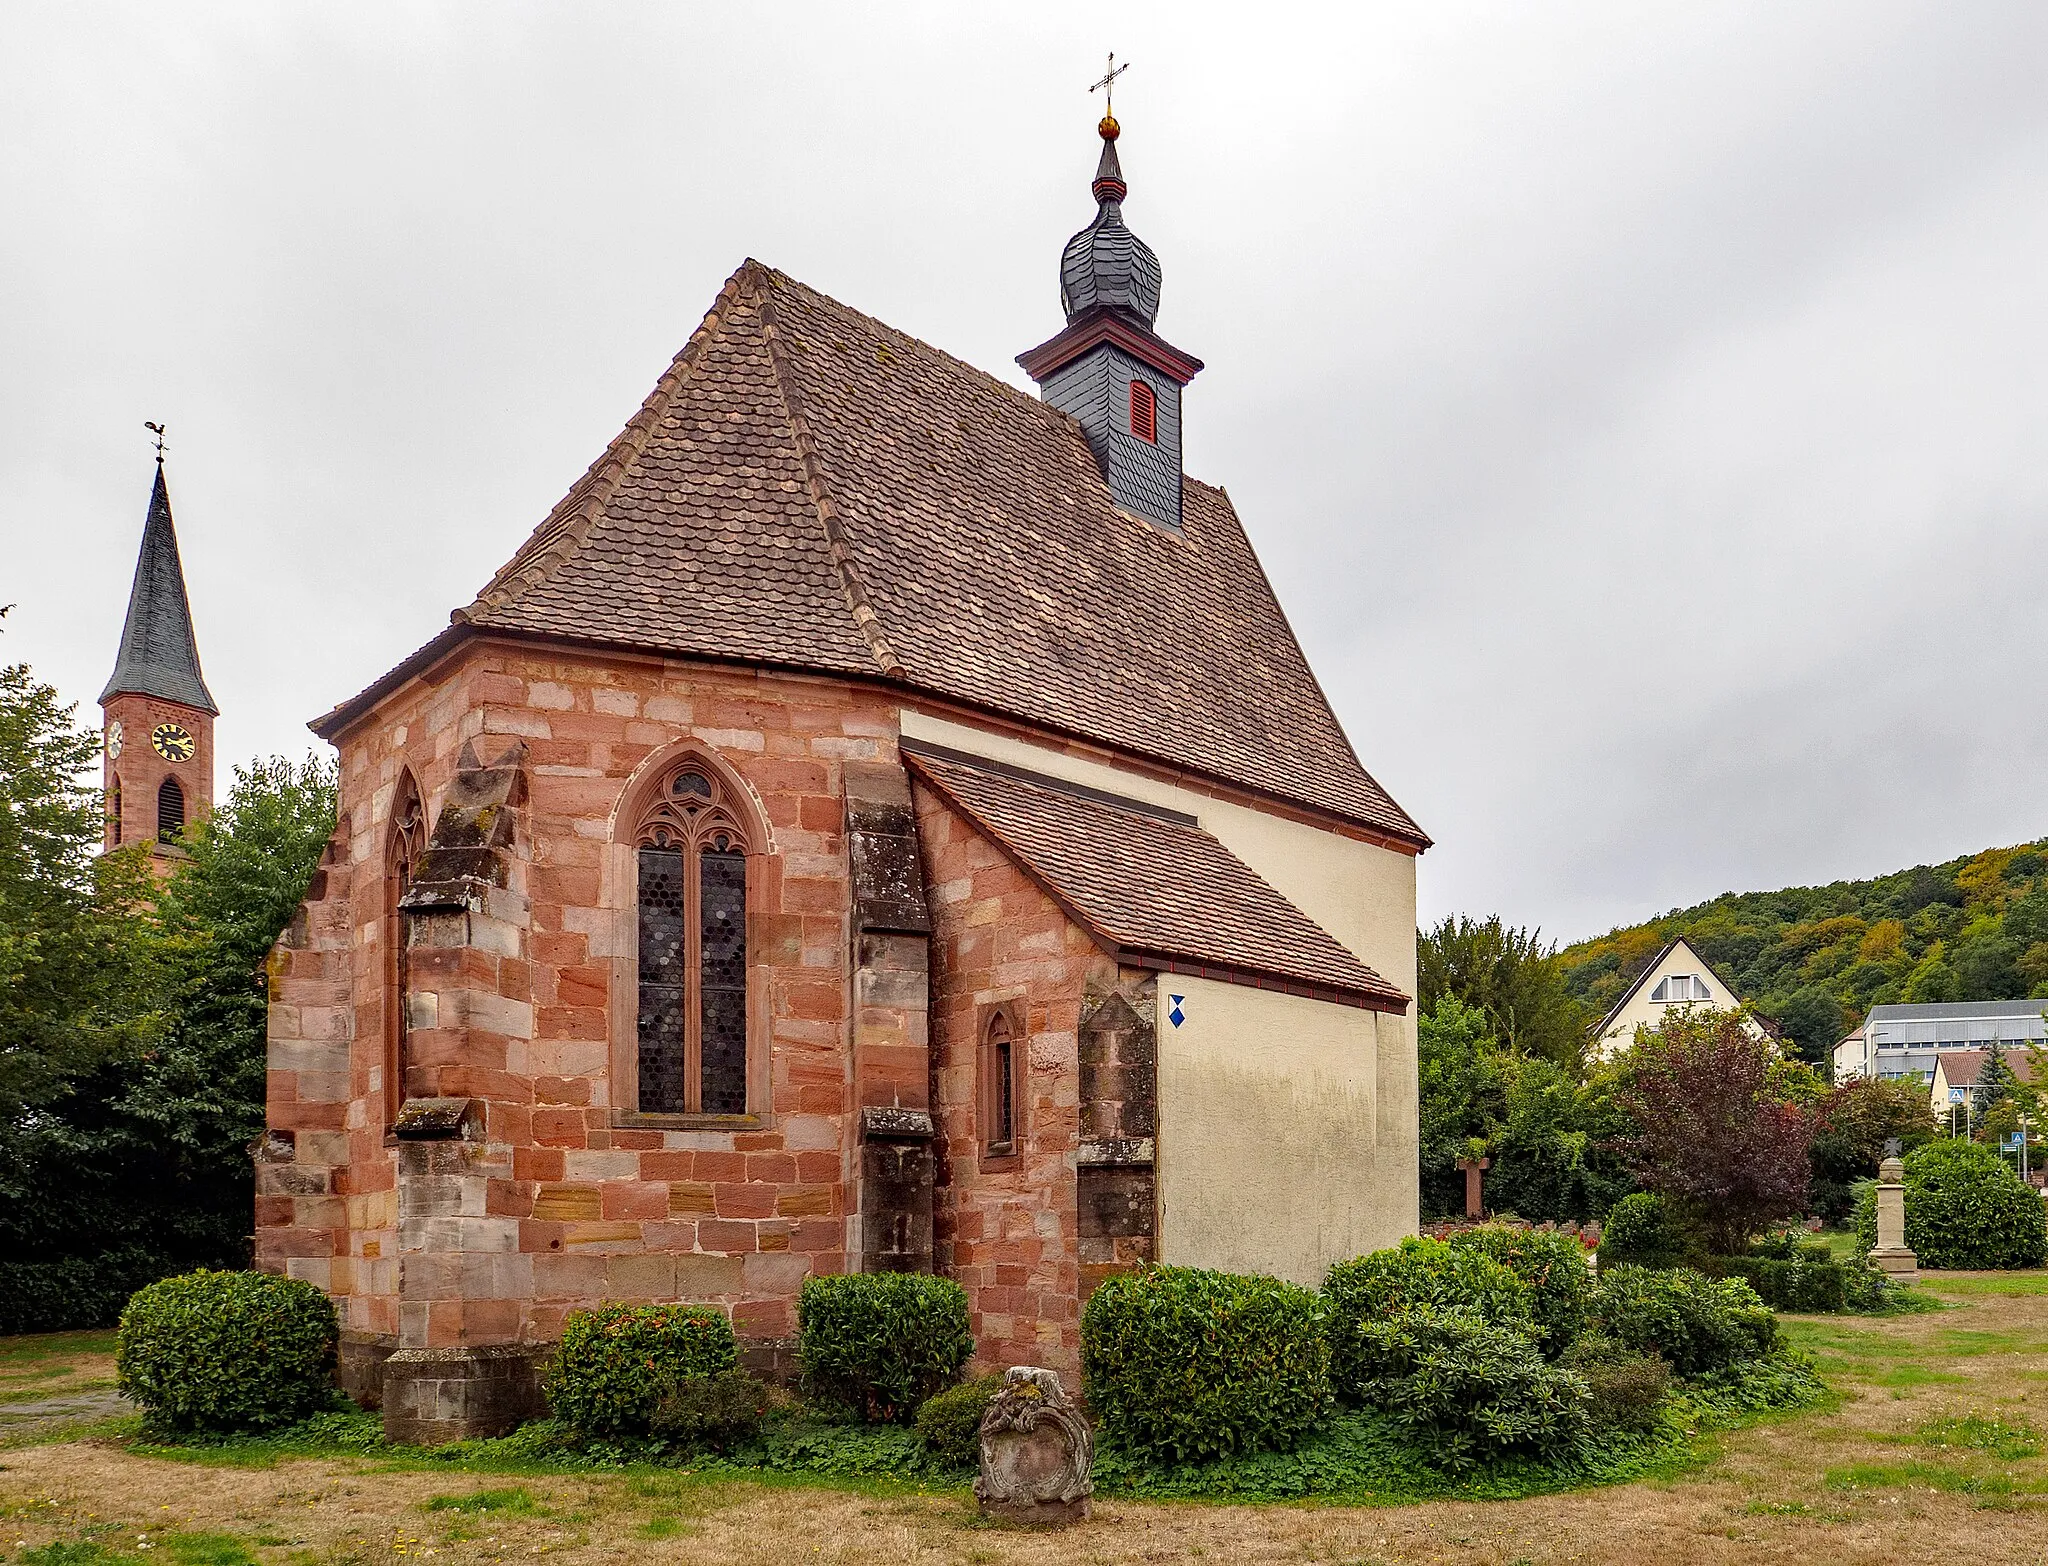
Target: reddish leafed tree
[(1716, 1136)]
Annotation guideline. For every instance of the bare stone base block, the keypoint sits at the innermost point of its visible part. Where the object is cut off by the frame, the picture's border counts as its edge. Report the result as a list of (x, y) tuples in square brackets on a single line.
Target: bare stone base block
[(434, 1396), (1038, 1514), (1900, 1264), (359, 1367)]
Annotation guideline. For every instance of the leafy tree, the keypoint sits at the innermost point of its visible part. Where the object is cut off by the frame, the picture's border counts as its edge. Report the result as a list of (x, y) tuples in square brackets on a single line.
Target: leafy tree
[(1987, 966), (1720, 1132), (1812, 1022), (1933, 980), (70, 922), (1510, 976), (1857, 1120)]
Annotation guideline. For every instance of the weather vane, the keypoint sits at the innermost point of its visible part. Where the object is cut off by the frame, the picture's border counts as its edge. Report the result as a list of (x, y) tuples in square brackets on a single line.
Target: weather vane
[(158, 431), (1108, 84)]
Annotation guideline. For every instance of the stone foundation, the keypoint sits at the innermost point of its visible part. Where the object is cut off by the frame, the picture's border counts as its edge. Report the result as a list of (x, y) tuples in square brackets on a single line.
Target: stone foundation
[(359, 1367), (434, 1396)]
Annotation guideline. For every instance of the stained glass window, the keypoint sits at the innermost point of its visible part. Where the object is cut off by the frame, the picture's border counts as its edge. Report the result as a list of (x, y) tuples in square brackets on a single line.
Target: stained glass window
[(692, 1029)]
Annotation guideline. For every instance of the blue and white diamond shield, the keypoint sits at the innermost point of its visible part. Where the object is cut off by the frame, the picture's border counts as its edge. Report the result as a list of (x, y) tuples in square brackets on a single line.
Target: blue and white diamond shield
[(1174, 1014)]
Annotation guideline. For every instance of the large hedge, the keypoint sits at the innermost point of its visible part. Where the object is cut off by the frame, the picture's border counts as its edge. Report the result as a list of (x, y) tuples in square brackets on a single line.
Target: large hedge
[(616, 1363), (1965, 1208), (875, 1345), (1371, 1288), (1694, 1323), (1555, 1266), (228, 1351), (1182, 1364), (1464, 1387)]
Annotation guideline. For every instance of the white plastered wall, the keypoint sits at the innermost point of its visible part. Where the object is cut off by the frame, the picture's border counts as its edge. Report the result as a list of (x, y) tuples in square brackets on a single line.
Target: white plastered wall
[(1287, 1126)]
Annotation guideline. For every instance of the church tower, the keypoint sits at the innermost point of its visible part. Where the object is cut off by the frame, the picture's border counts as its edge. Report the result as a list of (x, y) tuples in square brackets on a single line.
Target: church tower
[(1109, 369), (158, 712)]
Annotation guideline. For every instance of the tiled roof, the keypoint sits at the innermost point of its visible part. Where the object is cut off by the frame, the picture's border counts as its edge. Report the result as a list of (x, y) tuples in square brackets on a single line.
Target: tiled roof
[(158, 655), (1150, 882), (807, 487), (1965, 1067)]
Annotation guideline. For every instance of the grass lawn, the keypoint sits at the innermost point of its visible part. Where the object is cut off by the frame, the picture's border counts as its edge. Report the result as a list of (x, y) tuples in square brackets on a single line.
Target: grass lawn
[(1935, 1452)]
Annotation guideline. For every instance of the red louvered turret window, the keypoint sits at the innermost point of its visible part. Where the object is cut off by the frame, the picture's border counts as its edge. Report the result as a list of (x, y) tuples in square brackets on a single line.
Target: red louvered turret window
[(1144, 413)]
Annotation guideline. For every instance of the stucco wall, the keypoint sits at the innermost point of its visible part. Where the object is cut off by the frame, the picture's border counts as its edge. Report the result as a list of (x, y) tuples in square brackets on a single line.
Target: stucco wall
[(1641, 1012), (1286, 1130), (1294, 1120)]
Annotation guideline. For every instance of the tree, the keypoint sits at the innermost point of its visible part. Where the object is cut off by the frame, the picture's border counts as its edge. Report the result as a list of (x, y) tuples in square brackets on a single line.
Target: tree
[(70, 919), (1812, 1021), (1511, 977), (1719, 1131), (1995, 1082), (1857, 1121), (1933, 980)]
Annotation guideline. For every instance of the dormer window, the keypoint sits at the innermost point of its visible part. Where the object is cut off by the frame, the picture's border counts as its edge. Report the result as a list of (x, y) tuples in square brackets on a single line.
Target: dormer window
[(1681, 987), (1144, 413)]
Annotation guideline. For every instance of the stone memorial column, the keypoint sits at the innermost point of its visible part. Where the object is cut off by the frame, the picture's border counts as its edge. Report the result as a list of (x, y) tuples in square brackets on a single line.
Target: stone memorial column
[(1891, 1255)]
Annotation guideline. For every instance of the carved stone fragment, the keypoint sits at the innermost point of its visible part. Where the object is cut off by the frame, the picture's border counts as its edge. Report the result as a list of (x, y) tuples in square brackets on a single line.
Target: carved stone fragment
[(1036, 1449)]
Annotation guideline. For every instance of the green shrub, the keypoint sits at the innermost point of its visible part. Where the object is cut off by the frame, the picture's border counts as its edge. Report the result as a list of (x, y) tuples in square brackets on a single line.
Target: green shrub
[(710, 1413), (1628, 1388), (949, 1424), (617, 1362), (1555, 1266), (1808, 1279), (228, 1351), (1464, 1387), (1186, 1364), (875, 1345), (1640, 1232), (1371, 1288), (1965, 1208), (1694, 1323)]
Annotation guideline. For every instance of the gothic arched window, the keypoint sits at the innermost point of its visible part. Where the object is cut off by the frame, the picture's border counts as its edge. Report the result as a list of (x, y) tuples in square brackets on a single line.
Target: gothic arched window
[(691, 855), (114, 811), (402, 846), (170, 812), (1002, 1086)]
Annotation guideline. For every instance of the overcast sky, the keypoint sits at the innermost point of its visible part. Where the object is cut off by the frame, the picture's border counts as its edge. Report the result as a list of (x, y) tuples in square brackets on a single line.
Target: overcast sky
[(1640, 408)]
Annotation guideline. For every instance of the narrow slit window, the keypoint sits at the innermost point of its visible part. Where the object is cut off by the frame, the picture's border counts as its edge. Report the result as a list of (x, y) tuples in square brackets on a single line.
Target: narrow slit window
[(114, 810), (1000, 1073), (1144, 413), (170, 812)]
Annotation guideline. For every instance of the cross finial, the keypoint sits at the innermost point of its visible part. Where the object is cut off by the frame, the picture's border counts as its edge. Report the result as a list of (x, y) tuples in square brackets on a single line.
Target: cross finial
[(1108, 84), (158, 431)]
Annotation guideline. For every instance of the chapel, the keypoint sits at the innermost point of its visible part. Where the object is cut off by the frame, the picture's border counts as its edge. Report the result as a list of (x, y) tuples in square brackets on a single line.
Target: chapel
[(878, 820)]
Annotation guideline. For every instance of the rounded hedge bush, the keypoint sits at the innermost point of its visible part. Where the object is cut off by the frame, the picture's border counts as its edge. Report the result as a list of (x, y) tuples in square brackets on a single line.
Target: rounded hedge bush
[(1371, 1288), (1182, 1364), (617, 1363), (875, 1345), (1463, 1387), (1965, 1208), (1556, 1268), (228, 1351), (1628, 1388), (949, 1424), (1694, 1323), (1639, 1232)]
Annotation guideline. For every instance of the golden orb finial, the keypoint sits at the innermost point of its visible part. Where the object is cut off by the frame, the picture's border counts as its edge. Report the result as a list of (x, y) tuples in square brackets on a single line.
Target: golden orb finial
[(1109, 128)]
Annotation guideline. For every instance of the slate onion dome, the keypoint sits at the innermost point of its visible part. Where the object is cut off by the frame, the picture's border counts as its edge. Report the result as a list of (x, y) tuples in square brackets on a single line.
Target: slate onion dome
[(1106, 264)]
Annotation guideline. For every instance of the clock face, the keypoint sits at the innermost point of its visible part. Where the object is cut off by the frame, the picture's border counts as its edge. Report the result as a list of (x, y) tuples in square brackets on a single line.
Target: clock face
[(172, 742), (115, 734)]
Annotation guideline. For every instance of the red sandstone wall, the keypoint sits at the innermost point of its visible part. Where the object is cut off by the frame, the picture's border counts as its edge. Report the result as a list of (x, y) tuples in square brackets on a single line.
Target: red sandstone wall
[(1007, 1234), (600, 1212)]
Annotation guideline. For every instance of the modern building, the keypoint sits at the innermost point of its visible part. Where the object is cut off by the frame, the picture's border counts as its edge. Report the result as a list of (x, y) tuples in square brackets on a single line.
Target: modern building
[(1904, 1040), (1677, 977)]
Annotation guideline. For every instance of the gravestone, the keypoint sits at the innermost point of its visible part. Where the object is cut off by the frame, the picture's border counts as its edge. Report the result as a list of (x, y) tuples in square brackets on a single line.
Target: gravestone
[(1891, 1256), (1036, 1449), (1475, 1206)]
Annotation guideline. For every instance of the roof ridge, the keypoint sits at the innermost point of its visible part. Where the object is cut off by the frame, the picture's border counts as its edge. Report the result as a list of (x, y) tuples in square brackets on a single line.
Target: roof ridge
[(569, 523), (1022, 398), (862, 606)]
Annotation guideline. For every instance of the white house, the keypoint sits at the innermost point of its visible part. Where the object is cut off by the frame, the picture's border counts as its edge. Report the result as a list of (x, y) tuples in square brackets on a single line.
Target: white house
[(1679, 976)]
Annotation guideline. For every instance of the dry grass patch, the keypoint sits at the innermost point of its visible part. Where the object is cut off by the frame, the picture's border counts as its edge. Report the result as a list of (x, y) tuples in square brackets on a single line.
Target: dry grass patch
[(1936, 1451)]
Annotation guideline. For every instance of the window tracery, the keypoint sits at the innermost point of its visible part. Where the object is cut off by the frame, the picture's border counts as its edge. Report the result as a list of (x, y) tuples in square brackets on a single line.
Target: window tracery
[(691, 851)]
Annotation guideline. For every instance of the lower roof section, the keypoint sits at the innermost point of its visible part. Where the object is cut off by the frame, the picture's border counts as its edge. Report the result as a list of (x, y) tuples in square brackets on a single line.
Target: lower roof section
[(1149, 883)]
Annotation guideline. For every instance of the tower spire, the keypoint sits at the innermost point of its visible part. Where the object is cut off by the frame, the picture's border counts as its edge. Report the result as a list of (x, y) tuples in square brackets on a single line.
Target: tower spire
[(159, 655)]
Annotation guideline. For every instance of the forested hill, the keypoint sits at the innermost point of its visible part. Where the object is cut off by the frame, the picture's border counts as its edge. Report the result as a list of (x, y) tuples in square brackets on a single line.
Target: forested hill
[(1816, 958)]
